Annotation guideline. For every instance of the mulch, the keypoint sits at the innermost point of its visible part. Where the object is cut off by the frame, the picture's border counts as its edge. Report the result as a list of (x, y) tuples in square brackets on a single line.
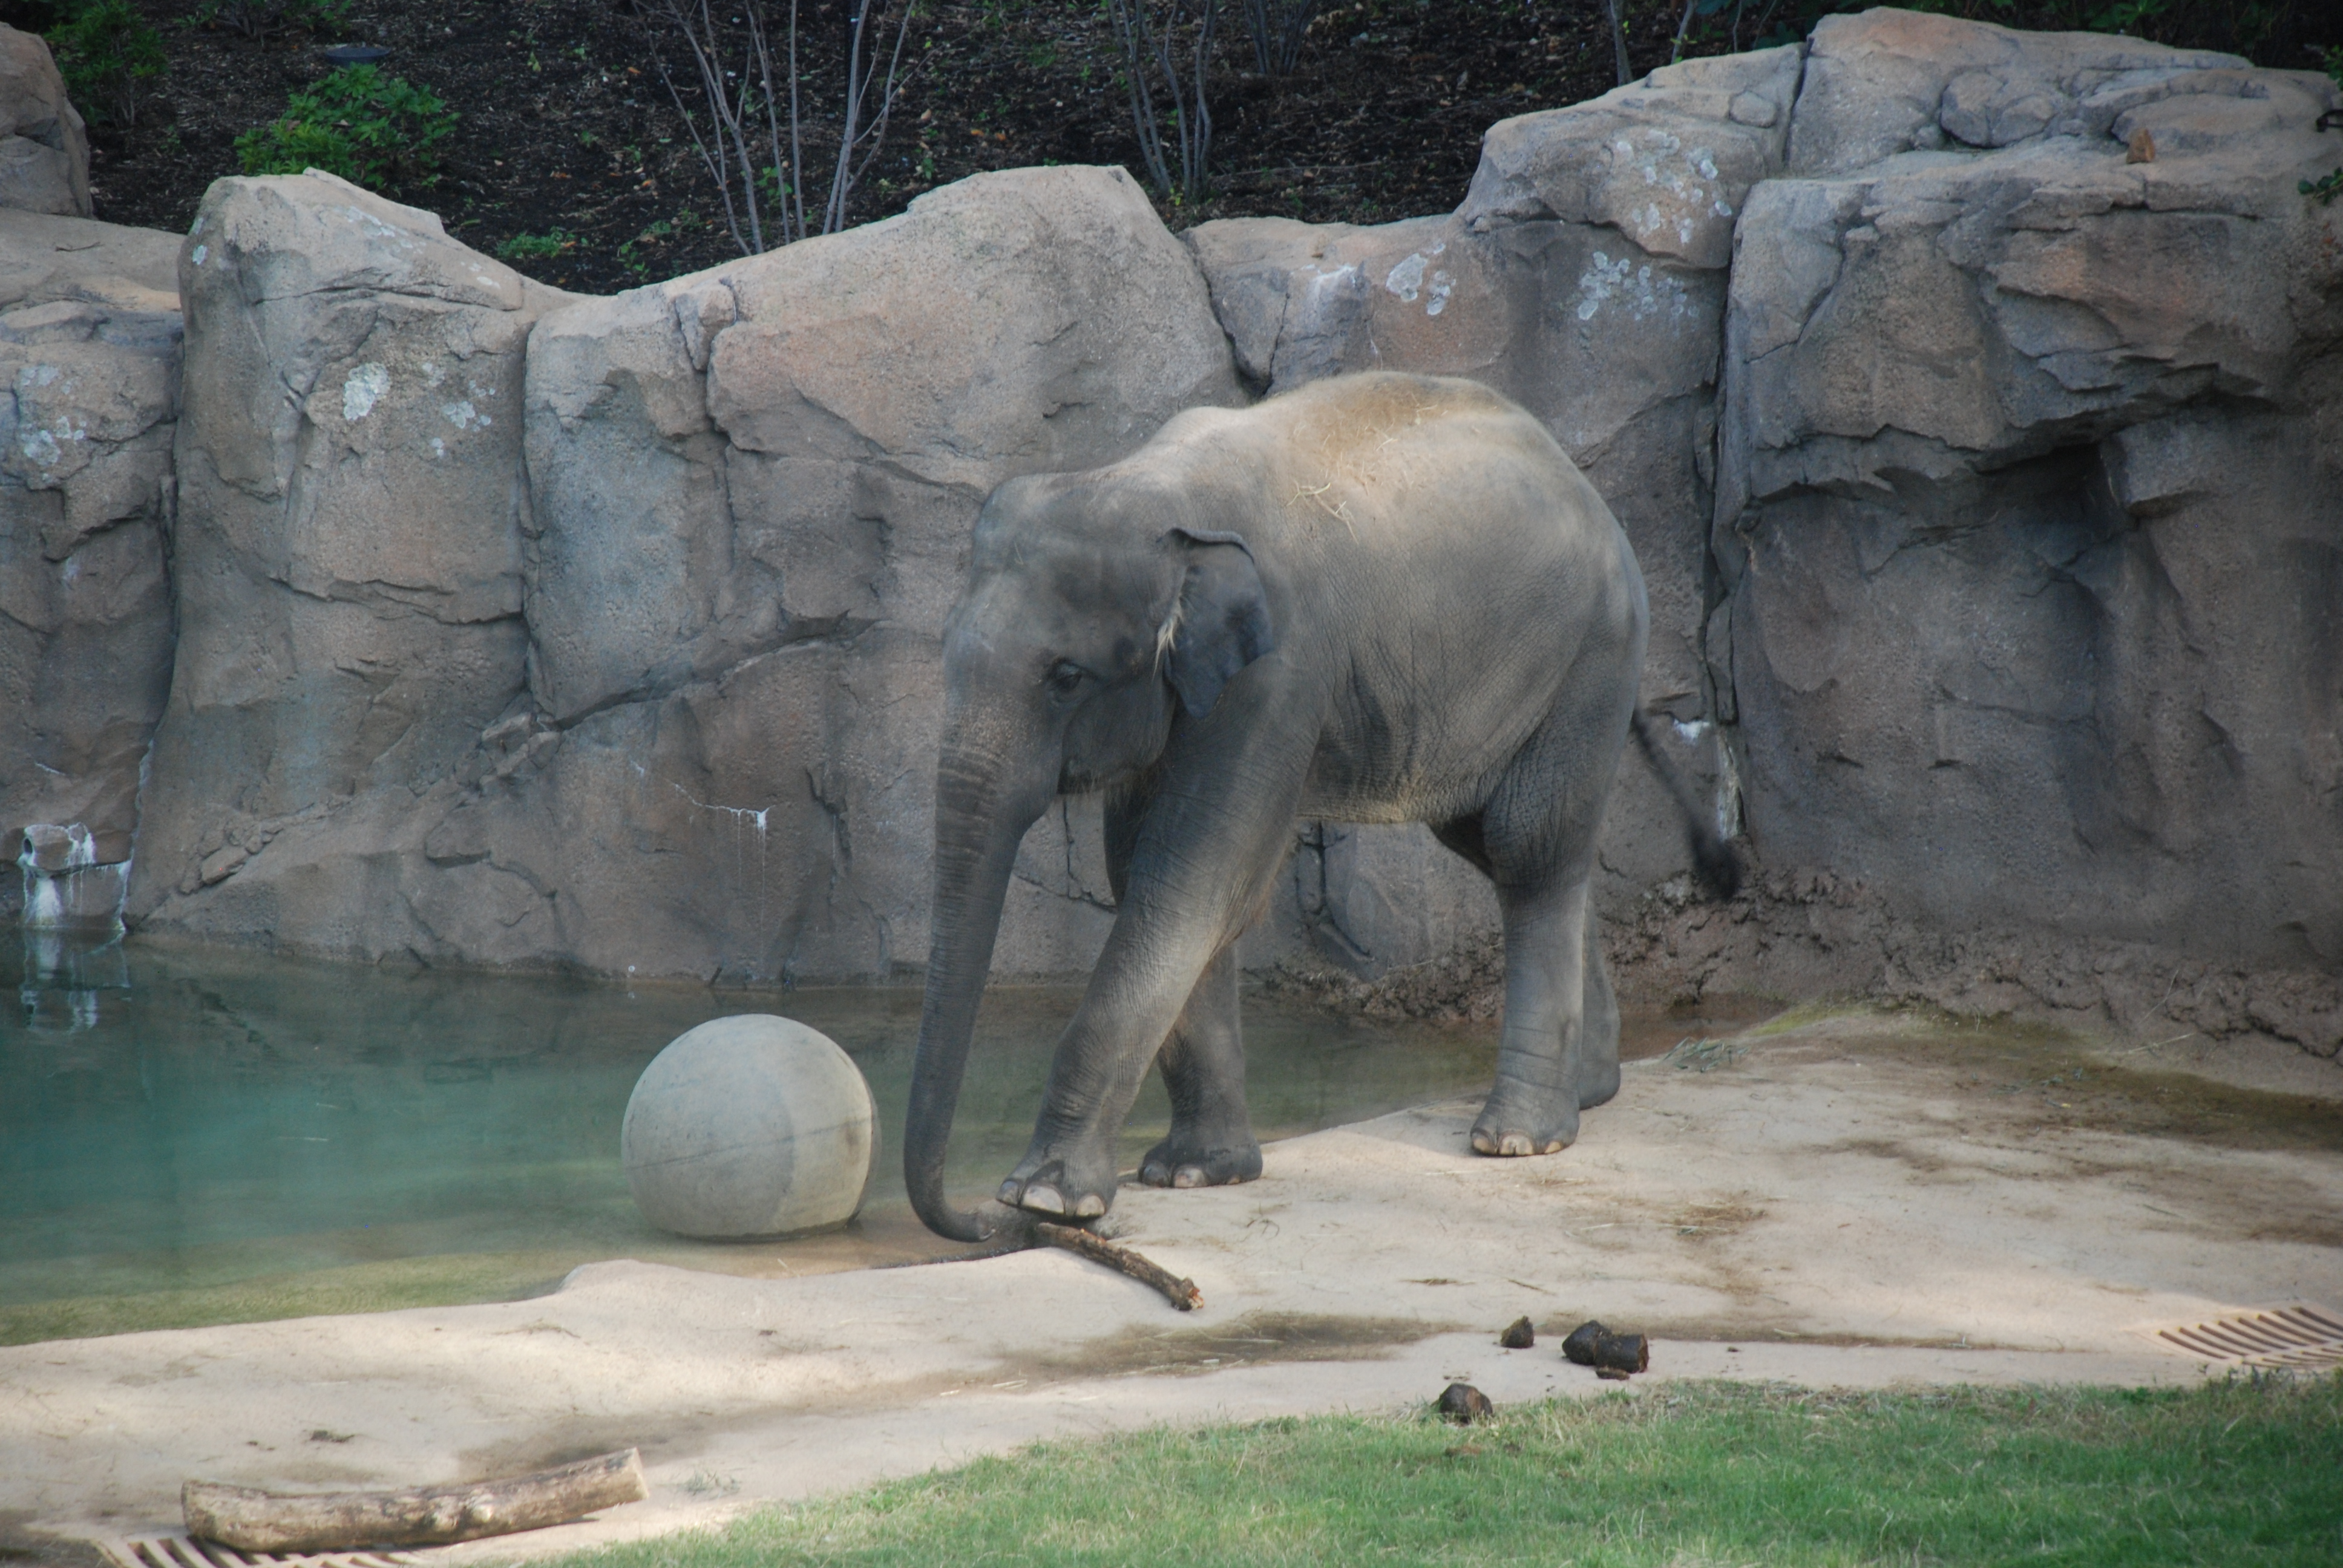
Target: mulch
[(567, 128)]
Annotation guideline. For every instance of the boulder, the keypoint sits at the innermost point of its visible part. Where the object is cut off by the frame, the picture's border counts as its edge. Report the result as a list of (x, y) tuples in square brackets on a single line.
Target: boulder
[(44, 260), (347, 555), (1584, 276), (2030, 514), (89, 390), (44, 149)]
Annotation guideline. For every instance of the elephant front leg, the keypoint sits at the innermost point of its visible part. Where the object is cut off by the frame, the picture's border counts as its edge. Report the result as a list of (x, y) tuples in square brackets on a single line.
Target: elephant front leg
[(1119, 1032), (1210, 1144), (1116, 1035)]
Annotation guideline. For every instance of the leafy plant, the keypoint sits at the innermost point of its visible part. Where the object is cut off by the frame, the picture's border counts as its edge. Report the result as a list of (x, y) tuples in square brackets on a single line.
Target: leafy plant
[(552, 242), (110, 57), (258, 18), (373, 130), (2328, 186)]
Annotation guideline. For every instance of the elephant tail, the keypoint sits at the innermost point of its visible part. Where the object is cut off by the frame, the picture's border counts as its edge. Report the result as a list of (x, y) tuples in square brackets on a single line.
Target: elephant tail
[(1713, 861)]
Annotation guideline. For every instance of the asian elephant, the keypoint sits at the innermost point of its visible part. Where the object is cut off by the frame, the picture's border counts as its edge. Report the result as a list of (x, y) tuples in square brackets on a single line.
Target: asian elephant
[(1378, 599)]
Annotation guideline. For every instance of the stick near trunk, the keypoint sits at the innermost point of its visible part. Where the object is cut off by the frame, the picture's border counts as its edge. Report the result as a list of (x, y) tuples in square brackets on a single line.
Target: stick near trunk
[(252, 1521), (1180, 1292)]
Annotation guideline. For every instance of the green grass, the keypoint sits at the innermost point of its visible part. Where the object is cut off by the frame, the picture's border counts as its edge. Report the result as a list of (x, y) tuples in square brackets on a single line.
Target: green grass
[(2232, 1472)]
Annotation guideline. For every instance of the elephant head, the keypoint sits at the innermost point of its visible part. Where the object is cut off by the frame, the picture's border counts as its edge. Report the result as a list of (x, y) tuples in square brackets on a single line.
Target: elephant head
[(1099, 608)]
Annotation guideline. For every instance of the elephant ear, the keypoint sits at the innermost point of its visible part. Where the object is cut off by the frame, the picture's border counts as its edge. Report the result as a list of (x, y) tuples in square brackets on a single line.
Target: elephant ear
[(1222, 621)]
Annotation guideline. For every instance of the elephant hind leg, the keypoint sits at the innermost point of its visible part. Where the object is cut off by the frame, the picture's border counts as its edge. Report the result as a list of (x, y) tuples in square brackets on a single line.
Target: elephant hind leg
[(1598, 1056), (1537, 833)]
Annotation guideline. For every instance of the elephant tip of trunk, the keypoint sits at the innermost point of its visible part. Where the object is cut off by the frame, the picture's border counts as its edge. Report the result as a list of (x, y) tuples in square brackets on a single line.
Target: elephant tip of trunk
[(969, 1225)]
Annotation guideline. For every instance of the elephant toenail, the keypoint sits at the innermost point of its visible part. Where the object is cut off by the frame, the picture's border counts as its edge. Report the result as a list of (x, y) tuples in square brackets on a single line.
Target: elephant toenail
[(1482, 1143), (1155, 1176), (1187, 1176), (1010, 1192), (1090, 1207), (1514, 1144), (1043, 1200)]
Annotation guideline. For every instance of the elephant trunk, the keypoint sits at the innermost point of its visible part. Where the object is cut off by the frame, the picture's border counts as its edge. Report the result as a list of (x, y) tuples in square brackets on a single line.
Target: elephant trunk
[(979, 826)]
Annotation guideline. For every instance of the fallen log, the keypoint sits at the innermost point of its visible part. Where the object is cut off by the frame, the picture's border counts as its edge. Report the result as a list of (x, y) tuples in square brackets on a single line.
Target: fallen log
[(1180, 1291), (255, 1520)]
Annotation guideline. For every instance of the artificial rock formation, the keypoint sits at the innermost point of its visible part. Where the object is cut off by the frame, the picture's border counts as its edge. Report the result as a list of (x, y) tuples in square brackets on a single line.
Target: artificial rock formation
[(1971, 398), (347, 562), (89, 392), (2029, 524), (2011, 574), (653, 689), (44, 149)]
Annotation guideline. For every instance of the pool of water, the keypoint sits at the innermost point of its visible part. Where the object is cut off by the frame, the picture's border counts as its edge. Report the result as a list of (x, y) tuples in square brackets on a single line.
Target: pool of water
[(193, 1135)]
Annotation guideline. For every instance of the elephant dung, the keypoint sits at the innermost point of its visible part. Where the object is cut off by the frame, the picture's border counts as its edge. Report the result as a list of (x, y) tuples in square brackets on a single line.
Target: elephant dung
[(1465, 1405)]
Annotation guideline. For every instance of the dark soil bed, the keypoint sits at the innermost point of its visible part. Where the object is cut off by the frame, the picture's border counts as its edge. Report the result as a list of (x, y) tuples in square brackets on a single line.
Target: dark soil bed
[(567, 132)]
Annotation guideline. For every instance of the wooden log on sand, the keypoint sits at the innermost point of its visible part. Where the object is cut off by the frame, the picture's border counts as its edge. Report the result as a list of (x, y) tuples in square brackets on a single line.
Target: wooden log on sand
[(252, 1521)]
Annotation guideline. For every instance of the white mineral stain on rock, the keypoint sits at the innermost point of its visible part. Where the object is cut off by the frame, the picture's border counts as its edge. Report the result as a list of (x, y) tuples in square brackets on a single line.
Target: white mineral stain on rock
[(365, 388), (1638, 290), (439, 447), (432, 373), (201, 251), (1406, 279), (463, 416)]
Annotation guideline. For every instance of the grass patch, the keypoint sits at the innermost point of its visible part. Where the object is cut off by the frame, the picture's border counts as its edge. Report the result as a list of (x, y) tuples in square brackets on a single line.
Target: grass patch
[(2232, 1472)]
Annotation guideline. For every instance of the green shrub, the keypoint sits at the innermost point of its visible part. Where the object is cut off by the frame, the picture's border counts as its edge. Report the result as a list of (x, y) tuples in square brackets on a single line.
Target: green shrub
[(373, 130), (109, 57), (523, 247)]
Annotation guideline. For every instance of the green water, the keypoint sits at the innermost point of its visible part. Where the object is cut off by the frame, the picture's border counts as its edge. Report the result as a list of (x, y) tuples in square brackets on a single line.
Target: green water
[(195, 1136)]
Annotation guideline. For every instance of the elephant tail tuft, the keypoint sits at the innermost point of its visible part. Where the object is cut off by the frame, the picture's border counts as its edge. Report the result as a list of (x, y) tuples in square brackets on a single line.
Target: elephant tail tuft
[(1713, 859)]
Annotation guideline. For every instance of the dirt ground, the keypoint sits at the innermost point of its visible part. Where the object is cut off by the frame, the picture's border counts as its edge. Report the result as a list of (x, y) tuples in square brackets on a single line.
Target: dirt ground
[(1846, 1198)]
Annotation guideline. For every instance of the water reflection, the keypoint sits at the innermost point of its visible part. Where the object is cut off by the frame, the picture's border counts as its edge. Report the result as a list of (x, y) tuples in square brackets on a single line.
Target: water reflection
[(64, 973), (237, 1136)]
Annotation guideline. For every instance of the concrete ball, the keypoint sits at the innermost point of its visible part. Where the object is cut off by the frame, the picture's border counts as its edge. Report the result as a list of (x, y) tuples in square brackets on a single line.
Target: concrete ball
[(749, 1126)]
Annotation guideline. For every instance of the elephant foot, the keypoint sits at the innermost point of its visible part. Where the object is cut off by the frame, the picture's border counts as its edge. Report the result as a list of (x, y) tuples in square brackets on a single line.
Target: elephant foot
[(1195, 1156), (1519, 1120), (1065, 1187)]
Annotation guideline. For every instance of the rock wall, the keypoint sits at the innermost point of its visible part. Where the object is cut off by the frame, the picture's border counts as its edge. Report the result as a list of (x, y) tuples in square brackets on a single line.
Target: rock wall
[(604, 633), (1971, 398), (89, 394), (2030, 499)]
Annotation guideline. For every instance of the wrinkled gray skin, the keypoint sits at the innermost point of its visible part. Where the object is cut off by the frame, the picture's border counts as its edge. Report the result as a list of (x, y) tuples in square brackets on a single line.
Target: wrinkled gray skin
[(1380, 599)]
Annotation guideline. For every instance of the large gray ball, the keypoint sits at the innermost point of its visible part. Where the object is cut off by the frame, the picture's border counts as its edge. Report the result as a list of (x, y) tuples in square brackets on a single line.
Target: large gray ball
[(749, 1126)]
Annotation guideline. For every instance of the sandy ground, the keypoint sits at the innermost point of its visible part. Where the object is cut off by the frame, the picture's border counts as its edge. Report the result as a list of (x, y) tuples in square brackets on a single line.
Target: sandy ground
[(1854, 1200)]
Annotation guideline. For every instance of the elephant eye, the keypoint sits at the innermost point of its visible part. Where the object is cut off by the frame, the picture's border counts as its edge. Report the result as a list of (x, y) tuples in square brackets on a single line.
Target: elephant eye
[(1066, 678)]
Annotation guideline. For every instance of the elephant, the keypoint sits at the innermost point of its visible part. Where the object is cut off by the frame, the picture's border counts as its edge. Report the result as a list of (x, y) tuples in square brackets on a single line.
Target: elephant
[(1379, 597)]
